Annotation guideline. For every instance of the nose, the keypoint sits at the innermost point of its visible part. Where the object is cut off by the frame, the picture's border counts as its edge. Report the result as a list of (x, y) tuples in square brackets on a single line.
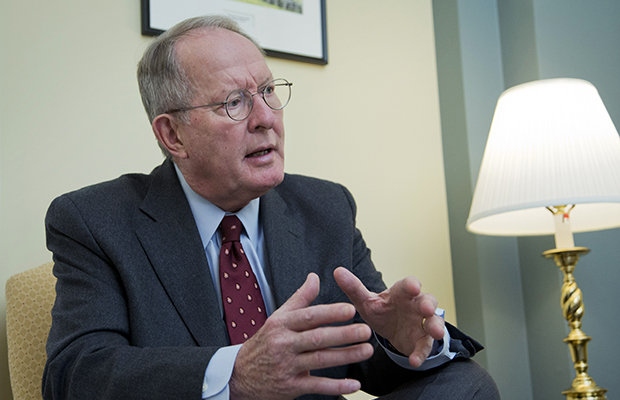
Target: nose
[(262, 117)]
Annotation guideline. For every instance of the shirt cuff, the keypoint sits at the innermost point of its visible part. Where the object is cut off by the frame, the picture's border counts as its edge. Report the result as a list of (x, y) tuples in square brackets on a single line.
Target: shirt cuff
[(218, 373), (440, 354)]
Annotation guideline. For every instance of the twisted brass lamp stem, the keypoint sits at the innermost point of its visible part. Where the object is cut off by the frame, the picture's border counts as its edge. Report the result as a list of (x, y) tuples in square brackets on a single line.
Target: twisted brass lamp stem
[(583, 386)]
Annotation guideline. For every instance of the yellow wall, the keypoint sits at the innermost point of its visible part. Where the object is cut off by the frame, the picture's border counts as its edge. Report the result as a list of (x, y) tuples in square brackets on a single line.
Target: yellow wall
[(70, 115)]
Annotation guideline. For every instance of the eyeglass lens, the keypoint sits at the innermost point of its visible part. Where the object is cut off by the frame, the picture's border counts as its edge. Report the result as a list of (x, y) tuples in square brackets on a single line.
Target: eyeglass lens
[(276, 94)]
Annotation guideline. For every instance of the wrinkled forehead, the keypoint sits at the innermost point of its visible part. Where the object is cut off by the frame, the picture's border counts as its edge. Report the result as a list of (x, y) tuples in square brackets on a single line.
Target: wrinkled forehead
[(207, 51)]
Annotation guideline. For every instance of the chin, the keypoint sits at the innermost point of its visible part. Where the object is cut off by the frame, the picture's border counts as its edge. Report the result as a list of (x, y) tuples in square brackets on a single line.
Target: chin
[(269, 182), (275, 181)]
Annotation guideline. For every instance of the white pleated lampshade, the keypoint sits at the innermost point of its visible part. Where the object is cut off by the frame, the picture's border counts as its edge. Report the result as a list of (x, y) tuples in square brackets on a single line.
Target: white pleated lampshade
[(551, 143)]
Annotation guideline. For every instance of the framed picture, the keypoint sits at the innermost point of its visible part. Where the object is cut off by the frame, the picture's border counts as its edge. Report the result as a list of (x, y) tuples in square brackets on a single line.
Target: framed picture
[(290, 29)]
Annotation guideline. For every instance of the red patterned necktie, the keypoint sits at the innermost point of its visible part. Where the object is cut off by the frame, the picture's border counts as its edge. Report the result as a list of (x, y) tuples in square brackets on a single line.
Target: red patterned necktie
[(244, 309)]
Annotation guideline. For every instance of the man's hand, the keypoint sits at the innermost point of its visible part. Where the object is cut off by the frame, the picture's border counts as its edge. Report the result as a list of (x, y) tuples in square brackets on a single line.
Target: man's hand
[(402, 314), (275, 363)]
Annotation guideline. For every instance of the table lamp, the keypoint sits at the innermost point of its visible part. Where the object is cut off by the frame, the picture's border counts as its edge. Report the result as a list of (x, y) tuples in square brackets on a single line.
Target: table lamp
[(552, 166)]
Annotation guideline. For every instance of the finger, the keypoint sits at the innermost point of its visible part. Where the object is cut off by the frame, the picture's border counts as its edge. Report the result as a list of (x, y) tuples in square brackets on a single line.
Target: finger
[(327, 386), (426, 304), (305, 295), (410, 287), (351, 286), (422, 349), (322, 314), (332, 336), (434, 326), (333, 357)]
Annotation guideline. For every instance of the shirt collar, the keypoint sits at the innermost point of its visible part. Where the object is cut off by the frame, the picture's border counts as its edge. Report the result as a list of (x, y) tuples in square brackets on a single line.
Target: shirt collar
[(208, 216)]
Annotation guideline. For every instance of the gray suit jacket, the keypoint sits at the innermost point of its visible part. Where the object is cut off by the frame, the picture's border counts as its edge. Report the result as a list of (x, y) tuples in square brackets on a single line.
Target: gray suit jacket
[(136, 314)]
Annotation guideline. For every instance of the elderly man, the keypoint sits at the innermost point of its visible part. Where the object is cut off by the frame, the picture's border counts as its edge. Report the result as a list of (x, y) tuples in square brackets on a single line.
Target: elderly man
[(218, 276)]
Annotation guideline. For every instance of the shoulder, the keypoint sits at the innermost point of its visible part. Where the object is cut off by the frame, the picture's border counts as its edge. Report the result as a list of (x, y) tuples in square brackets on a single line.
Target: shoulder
[(300, 185), (126, 191), (305, 194), (115, 190)]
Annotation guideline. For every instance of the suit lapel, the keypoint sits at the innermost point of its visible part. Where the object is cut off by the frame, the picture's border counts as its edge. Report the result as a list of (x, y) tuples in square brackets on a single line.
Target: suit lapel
[(287, 267), (172, 243)]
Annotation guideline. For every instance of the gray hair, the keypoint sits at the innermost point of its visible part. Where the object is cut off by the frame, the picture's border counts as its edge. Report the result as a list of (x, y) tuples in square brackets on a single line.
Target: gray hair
[(162, 80)]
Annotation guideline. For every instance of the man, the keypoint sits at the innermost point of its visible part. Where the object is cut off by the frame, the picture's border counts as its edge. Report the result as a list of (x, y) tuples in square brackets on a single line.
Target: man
[(145, 306)]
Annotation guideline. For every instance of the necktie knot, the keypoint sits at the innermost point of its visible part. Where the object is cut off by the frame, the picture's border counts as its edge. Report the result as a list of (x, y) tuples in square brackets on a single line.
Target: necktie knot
[(231, 228)]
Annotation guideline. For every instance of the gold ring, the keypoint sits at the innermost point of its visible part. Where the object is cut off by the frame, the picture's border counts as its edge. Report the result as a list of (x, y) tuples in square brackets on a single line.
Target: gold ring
[(423, 321)]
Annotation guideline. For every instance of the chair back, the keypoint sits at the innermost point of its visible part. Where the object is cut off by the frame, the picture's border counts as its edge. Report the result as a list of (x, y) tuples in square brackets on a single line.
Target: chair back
[(29, 299)]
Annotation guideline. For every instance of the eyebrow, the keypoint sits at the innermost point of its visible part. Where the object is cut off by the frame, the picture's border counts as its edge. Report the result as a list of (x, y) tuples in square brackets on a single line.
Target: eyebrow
[(261, 85), (265, 82)]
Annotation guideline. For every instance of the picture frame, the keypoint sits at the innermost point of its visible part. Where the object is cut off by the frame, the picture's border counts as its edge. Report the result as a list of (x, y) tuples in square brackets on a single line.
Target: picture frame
[(289, 29)]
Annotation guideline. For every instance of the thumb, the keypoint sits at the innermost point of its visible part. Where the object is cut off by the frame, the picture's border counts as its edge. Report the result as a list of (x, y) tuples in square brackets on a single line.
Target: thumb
[(305, 295), (351, 286)]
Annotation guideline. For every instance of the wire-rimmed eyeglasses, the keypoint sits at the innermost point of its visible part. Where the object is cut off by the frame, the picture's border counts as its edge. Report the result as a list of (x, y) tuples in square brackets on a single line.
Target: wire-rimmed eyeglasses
[(239, 103)]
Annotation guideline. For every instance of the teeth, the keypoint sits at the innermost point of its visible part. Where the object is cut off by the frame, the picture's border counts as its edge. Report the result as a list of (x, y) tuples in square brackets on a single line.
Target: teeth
[(259, 153)]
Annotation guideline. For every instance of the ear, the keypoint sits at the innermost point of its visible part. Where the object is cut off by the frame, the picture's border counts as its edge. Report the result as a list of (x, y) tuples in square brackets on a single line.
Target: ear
[(166, 129)]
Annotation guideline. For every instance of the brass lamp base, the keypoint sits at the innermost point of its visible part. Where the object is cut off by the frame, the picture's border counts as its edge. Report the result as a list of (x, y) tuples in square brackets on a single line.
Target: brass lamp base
[(583, 386)]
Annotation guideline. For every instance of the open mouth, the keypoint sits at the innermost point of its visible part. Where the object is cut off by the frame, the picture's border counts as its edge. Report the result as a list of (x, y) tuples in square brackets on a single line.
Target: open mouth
[(259, 153)]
